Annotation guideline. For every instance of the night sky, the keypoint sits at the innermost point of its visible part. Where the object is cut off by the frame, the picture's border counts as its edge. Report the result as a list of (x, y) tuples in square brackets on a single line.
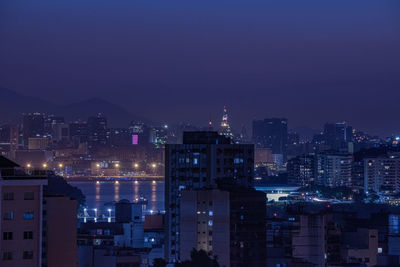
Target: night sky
[(310, 61)]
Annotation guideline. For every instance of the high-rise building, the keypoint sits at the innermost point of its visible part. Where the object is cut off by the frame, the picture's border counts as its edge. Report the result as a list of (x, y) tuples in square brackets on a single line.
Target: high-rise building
[(97, 130), (159, 136), (271, 133), (141, 132), (225, 127), (49, 121), (33, 126), (301, 170), (78, 132), (60, 132), (202, 161), (382, 174), (230, 224), (333, 169), (338, 135)]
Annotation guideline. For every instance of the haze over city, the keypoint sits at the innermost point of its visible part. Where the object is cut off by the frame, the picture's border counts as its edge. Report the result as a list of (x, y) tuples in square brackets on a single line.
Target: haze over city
[(310, 62)]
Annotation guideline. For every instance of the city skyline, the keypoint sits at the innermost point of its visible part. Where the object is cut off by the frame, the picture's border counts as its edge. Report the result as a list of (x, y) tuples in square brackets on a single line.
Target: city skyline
[(16, 105)]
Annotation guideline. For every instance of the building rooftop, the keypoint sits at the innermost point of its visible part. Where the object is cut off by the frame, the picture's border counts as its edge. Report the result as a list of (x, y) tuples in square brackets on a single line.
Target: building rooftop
[(204, 137), (5, 163)]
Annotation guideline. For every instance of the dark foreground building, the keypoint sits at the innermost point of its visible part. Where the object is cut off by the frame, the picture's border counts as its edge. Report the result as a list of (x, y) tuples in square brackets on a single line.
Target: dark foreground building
[(37, 229), (209, 168)]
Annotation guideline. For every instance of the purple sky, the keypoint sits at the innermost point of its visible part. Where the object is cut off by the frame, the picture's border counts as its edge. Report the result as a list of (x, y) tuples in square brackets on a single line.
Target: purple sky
[(310, 61)]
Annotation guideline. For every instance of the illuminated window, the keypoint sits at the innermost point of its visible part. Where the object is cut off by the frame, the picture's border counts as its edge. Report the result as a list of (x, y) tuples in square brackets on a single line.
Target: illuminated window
[(28, 215)]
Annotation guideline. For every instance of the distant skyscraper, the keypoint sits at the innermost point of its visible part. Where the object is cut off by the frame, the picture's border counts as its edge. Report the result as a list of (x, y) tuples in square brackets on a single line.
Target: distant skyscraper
[(203, 160), (142, 131), (338, 135), (78, 132), (97, 130), (33, 126), (225, 127), (271, 133)]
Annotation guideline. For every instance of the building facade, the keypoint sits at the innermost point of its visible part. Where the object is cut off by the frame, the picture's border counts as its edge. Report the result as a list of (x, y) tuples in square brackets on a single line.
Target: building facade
[(382, 174), (203, 160), (333, 169)]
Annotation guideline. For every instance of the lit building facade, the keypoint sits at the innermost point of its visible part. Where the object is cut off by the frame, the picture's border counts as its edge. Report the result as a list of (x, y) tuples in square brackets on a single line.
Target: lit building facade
[(382, 174), (333, 169)]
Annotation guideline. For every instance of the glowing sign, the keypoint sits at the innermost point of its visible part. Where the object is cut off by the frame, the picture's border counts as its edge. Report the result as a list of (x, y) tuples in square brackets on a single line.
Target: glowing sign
[(135, 139)]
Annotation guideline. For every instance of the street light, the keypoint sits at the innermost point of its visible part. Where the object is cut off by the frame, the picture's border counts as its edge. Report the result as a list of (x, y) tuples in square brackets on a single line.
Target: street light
[(44, 165), (116, 165), (28, 165), (136, 165), (153, 165), (98, 165), (60, 165)]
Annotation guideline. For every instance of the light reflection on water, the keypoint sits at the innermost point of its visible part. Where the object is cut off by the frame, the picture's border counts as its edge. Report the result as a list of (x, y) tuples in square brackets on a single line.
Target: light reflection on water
[(99, 194)]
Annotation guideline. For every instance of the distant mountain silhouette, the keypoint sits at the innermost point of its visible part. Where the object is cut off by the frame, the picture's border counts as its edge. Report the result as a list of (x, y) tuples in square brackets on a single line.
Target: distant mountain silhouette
[(13, 104)]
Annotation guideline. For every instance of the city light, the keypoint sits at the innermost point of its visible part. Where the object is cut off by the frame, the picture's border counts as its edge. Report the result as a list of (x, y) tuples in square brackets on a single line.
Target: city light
[(136, 165), (98, 165), (44, 165), (154, 182), (28, 165), (116, 182), (136, 182), (60, 165), (116, 165), (153, 165)]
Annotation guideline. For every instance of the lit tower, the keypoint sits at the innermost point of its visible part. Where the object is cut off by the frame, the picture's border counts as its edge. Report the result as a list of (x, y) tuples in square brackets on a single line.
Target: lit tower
[(225, 128)]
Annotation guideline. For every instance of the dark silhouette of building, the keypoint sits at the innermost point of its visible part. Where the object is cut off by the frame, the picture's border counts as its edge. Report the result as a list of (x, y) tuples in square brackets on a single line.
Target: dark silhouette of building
[(202, 161), (78, 132), (33, 126), (338, 135), (97, 131), (271, 133), (229, 223)]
